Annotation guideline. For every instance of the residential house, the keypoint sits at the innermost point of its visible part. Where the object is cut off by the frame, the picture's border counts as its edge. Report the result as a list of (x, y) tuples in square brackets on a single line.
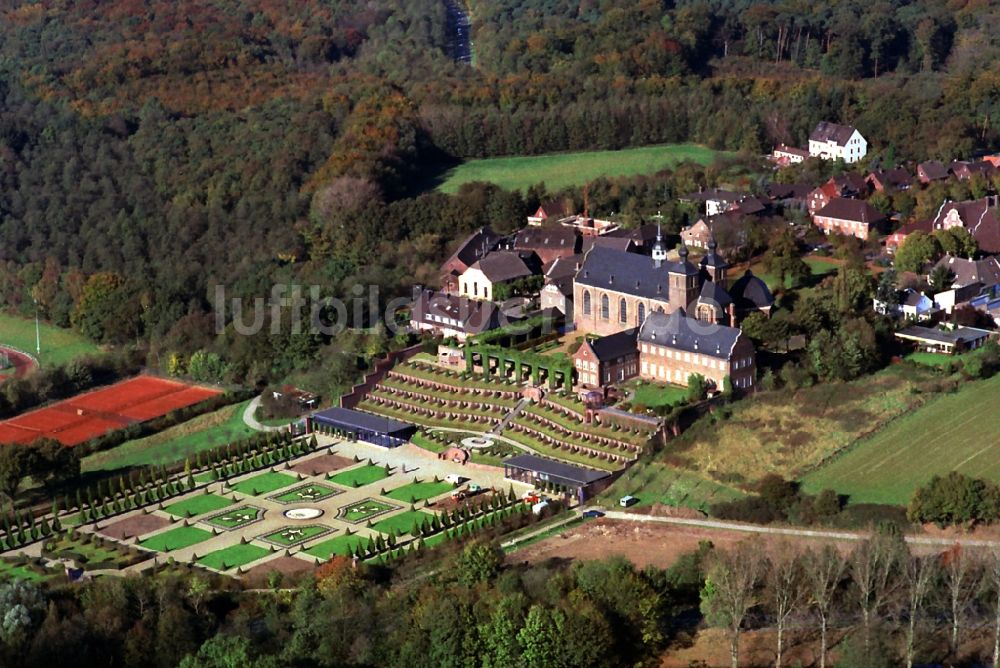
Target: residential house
[(727, 229), (469, 251), (931, 170), (479, 280), (890, 179), (970, 280), (911, 305), (896, 239), (607, 360), (966, 169), (548, 242), (980, 217), (851, 217), (548, 211), (789, 194), (949, 342), (832, 141), (843, 185), (788, 155), (448, 315), (674, 346)]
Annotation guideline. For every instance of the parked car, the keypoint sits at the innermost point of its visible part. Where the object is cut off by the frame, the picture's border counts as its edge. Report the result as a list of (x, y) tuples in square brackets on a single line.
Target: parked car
[(627, 501), (593, 513)]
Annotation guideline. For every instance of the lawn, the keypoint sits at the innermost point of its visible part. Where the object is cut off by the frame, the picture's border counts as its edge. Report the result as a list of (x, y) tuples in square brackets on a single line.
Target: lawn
[(176, 539), (289, 536), (265, 483), (233, 556), (818, 267), (788, 432), (198, 505), (654, 395), (952, 432), (236, 517), (360, 476), (10, 571), (658, 483), (931, 359), (342, 545), (363, 510), (405, 522), (559, 170), (59, 345), (418, 491), (176, 443), (305, 494)]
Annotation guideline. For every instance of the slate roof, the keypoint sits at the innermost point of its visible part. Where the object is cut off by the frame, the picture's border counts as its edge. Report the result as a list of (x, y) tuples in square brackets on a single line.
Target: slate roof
[(359, 420), (981, 220), (712, 257), (933, 170), (826, 131), (714, 295), (844, 208), (547, 236), (786, 191), (629, 273), (751, 292), (549, 467), (680, 332), (967, 272), (713, 194), (960, 335), (469, 315), (471, 248), (500, 266), (613, 346)]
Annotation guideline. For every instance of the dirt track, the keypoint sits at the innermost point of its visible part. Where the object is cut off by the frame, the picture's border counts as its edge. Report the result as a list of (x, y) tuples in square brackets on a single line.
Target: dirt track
[(23, 364)]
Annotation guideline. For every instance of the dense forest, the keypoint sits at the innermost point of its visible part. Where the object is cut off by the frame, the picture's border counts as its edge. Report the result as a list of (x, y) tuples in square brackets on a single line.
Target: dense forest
[(151, 150)]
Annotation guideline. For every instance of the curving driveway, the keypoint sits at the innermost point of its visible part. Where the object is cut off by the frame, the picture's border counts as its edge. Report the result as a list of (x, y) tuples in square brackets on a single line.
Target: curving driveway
[(23, 362), (250, 417)]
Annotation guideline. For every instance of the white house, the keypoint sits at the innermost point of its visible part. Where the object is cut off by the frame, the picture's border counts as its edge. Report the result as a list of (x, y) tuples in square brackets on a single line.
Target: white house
[(831, 141), (912, 305)]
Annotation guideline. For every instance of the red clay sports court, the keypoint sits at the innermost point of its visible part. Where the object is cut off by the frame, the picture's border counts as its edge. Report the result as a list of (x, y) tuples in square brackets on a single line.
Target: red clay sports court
[(85, 416)]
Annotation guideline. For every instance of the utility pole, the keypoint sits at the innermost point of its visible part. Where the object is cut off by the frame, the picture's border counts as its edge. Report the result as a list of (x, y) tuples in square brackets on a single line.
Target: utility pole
[(38, 334)]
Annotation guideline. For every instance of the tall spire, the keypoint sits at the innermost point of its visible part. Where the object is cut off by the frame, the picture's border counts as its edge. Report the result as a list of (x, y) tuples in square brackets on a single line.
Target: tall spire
[(659, 248)]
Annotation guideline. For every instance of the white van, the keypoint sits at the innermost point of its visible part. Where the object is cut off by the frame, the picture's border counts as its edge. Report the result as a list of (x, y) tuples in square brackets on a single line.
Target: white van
[(627, 501)]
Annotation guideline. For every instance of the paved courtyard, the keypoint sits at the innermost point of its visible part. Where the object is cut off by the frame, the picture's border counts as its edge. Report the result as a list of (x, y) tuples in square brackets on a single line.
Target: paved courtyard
[(243, 522)]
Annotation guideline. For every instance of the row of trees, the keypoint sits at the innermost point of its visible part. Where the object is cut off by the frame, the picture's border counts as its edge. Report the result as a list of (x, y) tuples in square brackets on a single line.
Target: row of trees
[(904, 602)]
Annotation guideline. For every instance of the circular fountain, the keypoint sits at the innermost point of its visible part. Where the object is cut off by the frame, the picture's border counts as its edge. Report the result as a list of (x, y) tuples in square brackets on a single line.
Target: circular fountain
[(303, 513)]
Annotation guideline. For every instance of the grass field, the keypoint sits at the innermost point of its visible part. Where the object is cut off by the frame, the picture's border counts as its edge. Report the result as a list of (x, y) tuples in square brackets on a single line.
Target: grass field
[(658, 483), (233, 556), (198, 505), (932, 359), (176, 539), (58, 345), (818, 266), (953, 432), (176, 443), (265, 483), (358, 477), (653, 395), (342, 545), (404, 522), (418, 491), (558, 170), (787, 432)]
